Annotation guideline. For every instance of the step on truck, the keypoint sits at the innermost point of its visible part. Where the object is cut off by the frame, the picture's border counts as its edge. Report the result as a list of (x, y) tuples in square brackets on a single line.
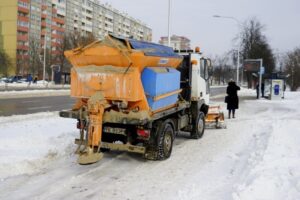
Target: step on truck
[(136, 96)]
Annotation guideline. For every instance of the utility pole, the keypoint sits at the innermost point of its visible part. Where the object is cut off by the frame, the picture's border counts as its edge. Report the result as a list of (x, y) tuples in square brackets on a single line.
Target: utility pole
[(44, 70), (169, 23), (238, 66), (260, 77)]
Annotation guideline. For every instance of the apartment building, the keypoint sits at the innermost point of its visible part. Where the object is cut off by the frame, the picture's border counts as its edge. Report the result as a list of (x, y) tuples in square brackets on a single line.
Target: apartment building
[(27, 25), (90, 16), (177, 42)]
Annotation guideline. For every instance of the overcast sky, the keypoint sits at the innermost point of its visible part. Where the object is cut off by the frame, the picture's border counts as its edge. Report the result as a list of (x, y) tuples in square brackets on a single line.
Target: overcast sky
[(193, 19)]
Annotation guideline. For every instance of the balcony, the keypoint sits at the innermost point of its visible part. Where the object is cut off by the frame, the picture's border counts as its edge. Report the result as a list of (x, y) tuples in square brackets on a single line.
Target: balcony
[(26, 1), (43, 24), (43, 32), (22, 18), (56, 36), (56, 52), (57, 28), (23, 29), (22, 56), (55, 44), (54, 10), (108, 29), (22, 37), (90, 15), (22, 47), (88, 7), (89, 22), (58, 20), (23, 10)]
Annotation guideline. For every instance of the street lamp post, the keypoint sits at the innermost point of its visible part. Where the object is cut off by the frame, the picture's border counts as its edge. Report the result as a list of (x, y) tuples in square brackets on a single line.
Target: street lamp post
[(169, 23), (44, 69), (238, 58)]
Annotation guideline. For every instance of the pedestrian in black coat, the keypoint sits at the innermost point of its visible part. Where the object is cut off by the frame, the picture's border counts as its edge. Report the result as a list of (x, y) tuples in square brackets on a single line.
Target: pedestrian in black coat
[(262, 90), (232, 98)]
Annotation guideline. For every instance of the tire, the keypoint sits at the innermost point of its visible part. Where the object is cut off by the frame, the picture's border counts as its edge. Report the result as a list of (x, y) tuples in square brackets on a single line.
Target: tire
[(162, 147), (165, 141), (198, 126)]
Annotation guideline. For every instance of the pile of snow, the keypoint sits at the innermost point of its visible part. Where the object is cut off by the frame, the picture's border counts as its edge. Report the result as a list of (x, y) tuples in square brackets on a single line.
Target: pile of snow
[(256, 157), (30, 141)]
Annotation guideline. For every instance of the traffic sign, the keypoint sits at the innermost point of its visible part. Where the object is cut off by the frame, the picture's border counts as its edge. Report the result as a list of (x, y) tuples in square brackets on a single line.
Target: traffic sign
[(262, 70)]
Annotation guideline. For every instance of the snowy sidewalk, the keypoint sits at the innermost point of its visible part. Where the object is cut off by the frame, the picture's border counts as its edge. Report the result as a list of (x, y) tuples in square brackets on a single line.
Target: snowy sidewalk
[(20, 90), (256, 157), (33, 93)]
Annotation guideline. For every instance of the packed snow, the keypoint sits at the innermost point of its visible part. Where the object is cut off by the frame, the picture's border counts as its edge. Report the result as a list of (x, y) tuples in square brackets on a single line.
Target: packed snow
[(30, 85), (33, 93), (256, 157)]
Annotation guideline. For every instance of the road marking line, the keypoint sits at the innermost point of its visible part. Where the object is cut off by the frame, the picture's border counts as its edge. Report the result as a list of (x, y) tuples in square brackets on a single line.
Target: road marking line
[(32, 101), (36, 108)]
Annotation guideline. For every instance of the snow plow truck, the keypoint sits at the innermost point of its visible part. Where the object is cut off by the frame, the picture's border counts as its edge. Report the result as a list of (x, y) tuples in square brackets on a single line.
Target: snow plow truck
[(136, 96)]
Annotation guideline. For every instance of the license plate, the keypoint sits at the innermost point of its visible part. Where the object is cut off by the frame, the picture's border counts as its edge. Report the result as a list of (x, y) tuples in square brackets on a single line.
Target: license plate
[(113, 130)]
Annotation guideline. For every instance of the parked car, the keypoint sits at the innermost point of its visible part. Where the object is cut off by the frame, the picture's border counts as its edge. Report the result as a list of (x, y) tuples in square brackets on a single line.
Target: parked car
[(22, 80), (3, 79), (13, 79)]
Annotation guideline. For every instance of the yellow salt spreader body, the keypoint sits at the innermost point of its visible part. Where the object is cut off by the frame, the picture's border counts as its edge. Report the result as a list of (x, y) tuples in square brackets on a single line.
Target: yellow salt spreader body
[(134, 96)]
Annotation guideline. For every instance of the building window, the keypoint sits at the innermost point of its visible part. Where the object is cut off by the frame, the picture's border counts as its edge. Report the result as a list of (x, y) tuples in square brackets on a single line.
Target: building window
[(23, 4), (24, 24)]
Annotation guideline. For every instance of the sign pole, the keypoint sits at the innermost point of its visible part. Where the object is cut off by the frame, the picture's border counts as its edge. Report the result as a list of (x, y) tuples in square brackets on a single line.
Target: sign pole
[(44, 68), (260, 78)]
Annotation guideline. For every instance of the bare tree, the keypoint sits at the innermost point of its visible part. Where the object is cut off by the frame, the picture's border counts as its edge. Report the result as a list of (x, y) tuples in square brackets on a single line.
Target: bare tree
[(292, 67), (5, 63), (50, 59), (64, 44), (34, 57), (71, 41), (22, 63), (223, 71), (254, 46), (82, 40)]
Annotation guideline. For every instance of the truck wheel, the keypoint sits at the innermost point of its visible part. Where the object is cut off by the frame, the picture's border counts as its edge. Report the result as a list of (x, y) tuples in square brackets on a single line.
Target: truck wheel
[(165, 141), (198, 126), (162, 147)]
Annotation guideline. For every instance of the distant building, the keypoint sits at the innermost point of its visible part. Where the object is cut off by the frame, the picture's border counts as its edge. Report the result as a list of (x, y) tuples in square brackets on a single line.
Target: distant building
[(24, 24), (177, 42), (90, 16)]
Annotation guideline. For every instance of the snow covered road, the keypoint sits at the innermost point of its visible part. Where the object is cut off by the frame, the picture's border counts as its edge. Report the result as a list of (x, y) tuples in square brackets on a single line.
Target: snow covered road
[(256, 157)]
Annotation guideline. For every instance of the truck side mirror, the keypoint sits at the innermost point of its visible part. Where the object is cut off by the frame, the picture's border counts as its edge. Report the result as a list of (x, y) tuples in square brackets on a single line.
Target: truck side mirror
[(209, 67)]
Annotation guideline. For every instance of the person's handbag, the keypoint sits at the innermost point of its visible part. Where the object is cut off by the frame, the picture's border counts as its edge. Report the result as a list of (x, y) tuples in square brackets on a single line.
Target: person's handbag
[(226, 99)]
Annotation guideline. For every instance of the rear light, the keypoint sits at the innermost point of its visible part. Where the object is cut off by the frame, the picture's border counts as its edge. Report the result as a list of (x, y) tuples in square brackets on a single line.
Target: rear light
[(80, 124), (143, 133)]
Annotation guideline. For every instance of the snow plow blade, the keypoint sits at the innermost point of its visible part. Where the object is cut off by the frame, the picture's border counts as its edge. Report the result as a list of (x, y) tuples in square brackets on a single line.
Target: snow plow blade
[(215, 118)]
